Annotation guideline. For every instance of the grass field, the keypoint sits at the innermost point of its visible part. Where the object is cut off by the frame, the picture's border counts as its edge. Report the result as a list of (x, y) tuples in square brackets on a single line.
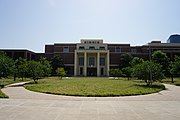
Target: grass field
[(93, 87), (7, 81)]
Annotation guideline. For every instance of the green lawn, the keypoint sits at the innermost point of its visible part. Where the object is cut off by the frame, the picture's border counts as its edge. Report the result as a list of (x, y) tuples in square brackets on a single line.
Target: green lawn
[(93, 87), (168, 81), (4, 82)]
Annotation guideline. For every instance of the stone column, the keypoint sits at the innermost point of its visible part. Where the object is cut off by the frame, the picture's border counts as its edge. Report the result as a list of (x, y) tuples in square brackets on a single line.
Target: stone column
[(107, 64), (98, 66), (85, 64), (75, 63)]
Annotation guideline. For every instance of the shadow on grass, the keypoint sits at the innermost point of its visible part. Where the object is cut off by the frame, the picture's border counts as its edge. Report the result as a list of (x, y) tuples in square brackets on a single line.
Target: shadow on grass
[(175, 83), (1, 86), (94, 95), (154, 86)]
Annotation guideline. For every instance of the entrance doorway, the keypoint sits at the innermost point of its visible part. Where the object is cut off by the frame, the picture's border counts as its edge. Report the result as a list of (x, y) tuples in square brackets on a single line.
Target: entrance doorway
[(81, 71), (92, 72), (102, 71)]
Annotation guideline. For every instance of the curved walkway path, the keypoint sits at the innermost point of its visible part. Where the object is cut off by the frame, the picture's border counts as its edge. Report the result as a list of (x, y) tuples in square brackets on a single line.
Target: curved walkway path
[(27, 105), (18, 92)]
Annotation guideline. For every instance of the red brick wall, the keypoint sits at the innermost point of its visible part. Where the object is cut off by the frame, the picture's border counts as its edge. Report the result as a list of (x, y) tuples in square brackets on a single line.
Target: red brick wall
[(68, 58), (49, 48)]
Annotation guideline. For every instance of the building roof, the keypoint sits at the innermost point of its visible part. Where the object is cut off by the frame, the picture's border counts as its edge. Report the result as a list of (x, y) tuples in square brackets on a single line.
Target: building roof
[(20, 50)]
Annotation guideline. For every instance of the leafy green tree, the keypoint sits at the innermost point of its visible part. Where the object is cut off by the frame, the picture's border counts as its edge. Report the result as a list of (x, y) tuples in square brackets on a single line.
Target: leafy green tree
[(127, 72), (21, 68), (175, 70), (6, 65), (148, 71), (136, 61), (115, 72), (162, 59), (35, 70), (61, 72), (125, 60), (46, 67), (56, 62)]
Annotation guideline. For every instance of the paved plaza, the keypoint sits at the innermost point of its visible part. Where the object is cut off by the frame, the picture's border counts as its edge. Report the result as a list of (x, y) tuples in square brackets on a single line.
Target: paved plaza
[(27, 105)]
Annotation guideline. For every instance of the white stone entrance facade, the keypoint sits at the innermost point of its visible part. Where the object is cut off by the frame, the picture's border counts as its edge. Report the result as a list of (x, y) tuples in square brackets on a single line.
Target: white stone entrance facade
[(91, 58)]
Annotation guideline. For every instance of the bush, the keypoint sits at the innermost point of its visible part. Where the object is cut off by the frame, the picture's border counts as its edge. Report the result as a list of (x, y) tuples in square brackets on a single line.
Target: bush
[(61, 72), (127, 72), (115, 72)]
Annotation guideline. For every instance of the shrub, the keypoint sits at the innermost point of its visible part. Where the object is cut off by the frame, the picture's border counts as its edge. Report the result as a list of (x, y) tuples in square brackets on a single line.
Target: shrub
[(115, 72)]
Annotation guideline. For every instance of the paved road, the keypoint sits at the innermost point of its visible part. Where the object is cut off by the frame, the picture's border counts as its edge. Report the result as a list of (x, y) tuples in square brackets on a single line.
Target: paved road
[(28, 105)]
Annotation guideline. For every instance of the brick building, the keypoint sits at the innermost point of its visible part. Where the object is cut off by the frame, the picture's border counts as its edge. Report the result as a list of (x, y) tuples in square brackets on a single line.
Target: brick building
[(92, 57), (23, 53)]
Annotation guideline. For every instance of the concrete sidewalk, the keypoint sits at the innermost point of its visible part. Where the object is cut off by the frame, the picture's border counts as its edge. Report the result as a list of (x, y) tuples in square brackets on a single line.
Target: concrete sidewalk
[(28, 105), (170, 94), (18, 84)]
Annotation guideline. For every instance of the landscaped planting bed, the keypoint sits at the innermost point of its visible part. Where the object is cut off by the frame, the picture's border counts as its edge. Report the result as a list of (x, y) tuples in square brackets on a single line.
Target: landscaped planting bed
[(94, 87)]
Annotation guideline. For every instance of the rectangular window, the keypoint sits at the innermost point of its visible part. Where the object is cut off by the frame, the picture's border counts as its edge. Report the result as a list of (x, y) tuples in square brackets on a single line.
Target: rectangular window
[(91, 61), (102, 61), (91, 47), (81, 47), (102, 48), (117, 49), (81, 60), (66, 49), (133, 50)]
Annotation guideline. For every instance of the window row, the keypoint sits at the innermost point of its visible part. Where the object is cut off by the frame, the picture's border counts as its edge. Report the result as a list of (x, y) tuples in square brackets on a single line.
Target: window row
[(91, 48), (91, 61), (117, 49), (91, 42)]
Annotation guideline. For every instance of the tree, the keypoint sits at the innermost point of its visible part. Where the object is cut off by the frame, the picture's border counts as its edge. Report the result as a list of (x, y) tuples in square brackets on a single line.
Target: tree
[(46, 67), (6, 65), (175, 70), (61, 72), (35, 70), (21, 68), (124, 60), (171, 70), (56, 62), (162, 59), (127, 72), (115, 72), (136, 61), (148, 71)]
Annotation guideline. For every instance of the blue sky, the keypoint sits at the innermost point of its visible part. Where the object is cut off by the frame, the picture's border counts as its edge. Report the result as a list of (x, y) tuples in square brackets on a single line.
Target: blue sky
[(31, 24)]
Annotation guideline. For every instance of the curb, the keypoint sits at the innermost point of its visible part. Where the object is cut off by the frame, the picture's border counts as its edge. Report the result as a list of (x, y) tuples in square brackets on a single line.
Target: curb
[(17, 84)]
